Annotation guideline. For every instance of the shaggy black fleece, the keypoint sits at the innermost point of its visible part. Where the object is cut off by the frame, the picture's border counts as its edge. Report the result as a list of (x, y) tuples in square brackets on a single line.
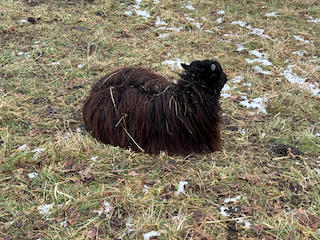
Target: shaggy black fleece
[(137, 108)]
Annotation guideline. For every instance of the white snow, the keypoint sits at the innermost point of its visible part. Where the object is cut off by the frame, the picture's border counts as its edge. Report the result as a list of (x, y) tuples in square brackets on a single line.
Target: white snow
[(189, 7), (37, 152), (107, 207), (260, 70), (301, 39), (23, 147), (145, 188), (241, 23), (271, 14), (219, 20), (258, 60), (45, 209), (174, 63), (181, 187), (80, 65), (316, 20), (54, 63), (94, 158), (237, 79), (255, 103), (148, 235), (138, 11), (240, 47), (223, 211), (300, 53), (227, 200), (23, 21), (224, 91), (159, 22), (33, 175), (221, 12)]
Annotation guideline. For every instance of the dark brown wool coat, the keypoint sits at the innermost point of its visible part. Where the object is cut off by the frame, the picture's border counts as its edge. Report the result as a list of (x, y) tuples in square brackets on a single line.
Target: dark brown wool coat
[(137, 108)]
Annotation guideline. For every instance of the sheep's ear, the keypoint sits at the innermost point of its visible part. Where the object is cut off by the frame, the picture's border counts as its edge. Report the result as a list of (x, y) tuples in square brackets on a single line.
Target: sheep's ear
[(213, 67), (185, 66)]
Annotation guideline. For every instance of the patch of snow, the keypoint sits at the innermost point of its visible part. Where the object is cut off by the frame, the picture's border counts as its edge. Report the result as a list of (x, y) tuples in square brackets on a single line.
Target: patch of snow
[(317, 170), (237, 79), (300, 53), (219, 20), (80, 65), (156, 1), (145, 188), (45, 209), (37, 152), (242, 131), (209, 31), (301, 39), (241, 23), (54, 63), (223, 211), (107, 207), (245, 222), (33, 175), (224, 91), (257, 60), (129, 13), (136, 9), (174, 63), (255, 103), (257, 53), (23, 147), (64, 223), (94, 158), (227, 200), (181, 186), (142, 13), (148, 235), (159, 22), (240, 47), (297, 163), (316, 20), (23, 21), (190, 7), (271, 14), (247, 84), (291, 76), (36, 42), (260, 70), (221, 12), (163, 35)]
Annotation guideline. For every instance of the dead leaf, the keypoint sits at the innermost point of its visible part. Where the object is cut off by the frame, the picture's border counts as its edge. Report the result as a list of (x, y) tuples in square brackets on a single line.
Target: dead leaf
[(133, 174), (74, 217), (87, 174), (234, 185), (29, 235), (90, 233), (35, 132), (198, 216), (250, 178), (235, 98), (258, 228), (69, 163), (277, 205), (306, 219)]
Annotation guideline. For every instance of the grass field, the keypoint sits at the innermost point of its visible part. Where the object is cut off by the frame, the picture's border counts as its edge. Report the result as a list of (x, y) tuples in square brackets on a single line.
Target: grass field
[(56, 182)]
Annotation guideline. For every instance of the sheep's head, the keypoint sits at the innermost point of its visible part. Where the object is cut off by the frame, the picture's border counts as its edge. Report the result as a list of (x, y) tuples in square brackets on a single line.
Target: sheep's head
[(208, 73)]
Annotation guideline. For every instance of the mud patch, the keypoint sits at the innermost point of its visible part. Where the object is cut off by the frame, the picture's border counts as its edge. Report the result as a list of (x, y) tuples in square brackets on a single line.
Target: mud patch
[(286, 150)]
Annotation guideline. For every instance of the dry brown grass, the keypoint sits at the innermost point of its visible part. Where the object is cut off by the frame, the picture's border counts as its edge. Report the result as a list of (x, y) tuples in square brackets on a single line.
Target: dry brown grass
[(41, 103)]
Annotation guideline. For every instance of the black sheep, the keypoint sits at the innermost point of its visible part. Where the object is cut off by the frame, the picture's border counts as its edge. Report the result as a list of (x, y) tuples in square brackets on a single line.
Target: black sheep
[(137, 108)]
